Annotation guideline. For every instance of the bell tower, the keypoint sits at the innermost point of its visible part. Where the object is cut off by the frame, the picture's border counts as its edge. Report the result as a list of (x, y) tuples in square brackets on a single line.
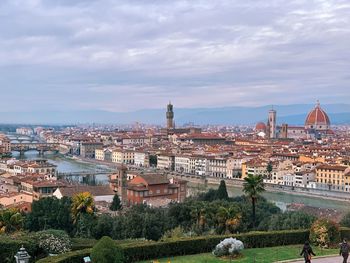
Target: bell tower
[(170, 116)]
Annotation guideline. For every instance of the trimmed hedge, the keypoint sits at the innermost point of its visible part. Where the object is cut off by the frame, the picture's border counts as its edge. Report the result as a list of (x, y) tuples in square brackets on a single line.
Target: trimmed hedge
[(10, 245), (147, 250), (199, 245), (70, 257), (345, 233)]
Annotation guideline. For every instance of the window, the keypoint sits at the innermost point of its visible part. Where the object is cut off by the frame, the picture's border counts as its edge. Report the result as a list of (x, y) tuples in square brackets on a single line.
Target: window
[(158, 191)]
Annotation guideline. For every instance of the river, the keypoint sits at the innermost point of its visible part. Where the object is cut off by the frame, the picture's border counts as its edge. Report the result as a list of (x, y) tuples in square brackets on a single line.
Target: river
[(68, 165), (65, 164)]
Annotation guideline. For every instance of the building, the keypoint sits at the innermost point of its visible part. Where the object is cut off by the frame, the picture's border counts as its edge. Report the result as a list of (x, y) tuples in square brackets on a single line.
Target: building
[(141, 159), (170, 117), (317, 123), (118, 183), (182, 164), (333, 177), (123, 156), (166, 161), (217, 167), (199, 165), (103, 154), (87, 149), (99, 193), (271, 124), (155, 190)]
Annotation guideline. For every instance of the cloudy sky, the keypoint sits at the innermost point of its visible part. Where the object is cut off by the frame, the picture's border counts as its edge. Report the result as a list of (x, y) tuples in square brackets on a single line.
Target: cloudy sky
[(125, 55)]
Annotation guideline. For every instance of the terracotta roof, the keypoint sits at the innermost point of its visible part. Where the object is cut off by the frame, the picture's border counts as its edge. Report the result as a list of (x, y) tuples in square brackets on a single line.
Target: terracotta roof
[(317, 117), (94, 190)]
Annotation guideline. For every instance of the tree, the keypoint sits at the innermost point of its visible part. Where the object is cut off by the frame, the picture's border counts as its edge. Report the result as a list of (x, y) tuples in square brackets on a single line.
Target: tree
[(153, 160), (106, 251), (221, 193), (50, 213), (116, 204), (82, 203), (253, 185), (345, 221), (11, 220), (269, 169)]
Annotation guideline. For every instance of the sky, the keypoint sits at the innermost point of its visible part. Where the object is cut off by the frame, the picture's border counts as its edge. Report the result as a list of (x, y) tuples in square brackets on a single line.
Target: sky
[(119, 55)]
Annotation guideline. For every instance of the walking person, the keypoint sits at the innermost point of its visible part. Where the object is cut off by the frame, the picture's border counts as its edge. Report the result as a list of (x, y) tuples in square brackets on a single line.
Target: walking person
[(344, 250), (307, 252)]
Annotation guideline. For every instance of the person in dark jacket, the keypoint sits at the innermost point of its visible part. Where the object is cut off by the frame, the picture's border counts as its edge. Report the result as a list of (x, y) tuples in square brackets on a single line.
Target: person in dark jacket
[(344, 250), (307, 252)]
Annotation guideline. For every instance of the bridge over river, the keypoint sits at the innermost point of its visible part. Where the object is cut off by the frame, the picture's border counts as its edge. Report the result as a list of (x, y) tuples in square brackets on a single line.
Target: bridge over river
[(40, 147)]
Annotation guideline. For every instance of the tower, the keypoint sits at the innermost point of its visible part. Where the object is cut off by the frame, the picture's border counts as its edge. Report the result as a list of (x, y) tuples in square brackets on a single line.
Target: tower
[(170, 116), (271, 124)]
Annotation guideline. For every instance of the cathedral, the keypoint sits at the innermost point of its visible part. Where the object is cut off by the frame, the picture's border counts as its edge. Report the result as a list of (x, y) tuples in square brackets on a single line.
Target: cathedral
[(317, 125)]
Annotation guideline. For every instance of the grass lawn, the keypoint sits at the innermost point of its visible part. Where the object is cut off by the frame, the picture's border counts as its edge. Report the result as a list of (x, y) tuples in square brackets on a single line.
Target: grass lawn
[(259, 255)]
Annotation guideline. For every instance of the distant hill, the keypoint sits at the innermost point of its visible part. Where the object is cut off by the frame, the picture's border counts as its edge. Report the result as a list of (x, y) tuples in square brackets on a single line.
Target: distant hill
[(292, 114)]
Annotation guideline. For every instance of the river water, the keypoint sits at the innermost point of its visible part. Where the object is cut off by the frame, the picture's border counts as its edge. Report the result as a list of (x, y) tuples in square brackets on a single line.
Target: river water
[(66, 165)]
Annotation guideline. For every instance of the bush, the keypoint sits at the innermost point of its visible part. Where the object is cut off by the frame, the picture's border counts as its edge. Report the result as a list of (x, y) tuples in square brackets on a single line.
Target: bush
[(70, 257), (54, 241), (137, 251), (345, 221), (9, 246), (204, 244), (107, 251), (324, 233), (228, 247)]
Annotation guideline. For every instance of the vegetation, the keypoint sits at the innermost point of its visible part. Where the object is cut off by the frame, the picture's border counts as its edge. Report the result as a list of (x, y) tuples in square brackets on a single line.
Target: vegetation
[(228, 247), (261, 255), (82, 203), (221, 193), (345, 221), (324, 233), (253, 185), (50, 213), (11, 220), (116, 204), (53, 241), (106, 251)]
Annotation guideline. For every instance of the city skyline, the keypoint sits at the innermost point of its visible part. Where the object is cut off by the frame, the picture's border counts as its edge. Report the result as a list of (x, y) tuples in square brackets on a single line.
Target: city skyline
[(120, 57)]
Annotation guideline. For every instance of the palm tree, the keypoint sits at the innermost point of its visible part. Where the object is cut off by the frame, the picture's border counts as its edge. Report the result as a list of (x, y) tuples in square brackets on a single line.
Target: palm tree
[(82, 203), (253, 185), (10, 220)]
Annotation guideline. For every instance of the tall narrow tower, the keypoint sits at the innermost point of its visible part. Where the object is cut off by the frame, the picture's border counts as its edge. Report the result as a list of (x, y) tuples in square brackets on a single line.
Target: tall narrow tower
[(271, 124), (170, 116)]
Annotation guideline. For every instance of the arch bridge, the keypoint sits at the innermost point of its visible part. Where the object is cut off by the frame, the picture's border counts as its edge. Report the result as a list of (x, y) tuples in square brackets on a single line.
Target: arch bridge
[(40, 147)]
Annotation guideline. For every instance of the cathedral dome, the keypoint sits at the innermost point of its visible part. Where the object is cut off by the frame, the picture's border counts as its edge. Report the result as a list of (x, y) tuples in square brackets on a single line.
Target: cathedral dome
[(260, 126), (317, 119)]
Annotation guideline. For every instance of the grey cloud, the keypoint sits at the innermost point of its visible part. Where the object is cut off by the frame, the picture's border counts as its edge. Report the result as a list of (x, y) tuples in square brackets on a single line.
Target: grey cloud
[(125, 55)]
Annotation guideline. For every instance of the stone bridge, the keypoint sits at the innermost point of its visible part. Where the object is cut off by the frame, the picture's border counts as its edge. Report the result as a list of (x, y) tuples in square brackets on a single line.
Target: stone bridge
[(40, 147)]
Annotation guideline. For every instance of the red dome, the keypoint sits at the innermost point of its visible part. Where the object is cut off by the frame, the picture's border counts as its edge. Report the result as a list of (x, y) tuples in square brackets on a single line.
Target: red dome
[(260, 126), (317, 118)]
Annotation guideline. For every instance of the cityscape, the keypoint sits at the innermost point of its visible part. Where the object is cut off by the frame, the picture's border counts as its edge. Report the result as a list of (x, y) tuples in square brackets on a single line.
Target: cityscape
[(184, 131)]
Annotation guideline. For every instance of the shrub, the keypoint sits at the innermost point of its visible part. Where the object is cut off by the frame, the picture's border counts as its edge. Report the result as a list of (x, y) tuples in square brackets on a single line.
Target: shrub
[(106, 251), (345, 221), (54, 241), (70, 257), (324, 233), (228, 247), (143, 250), (9, 246), (204, 244)]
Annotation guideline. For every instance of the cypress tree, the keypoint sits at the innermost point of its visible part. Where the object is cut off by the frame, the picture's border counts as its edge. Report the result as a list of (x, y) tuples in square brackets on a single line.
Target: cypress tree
[(222, 191)]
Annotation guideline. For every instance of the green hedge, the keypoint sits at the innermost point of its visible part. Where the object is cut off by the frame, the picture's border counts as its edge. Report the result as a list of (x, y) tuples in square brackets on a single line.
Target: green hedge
[(206, 244), (9, 246), (70, 257), (345, 233), (147, 250)]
